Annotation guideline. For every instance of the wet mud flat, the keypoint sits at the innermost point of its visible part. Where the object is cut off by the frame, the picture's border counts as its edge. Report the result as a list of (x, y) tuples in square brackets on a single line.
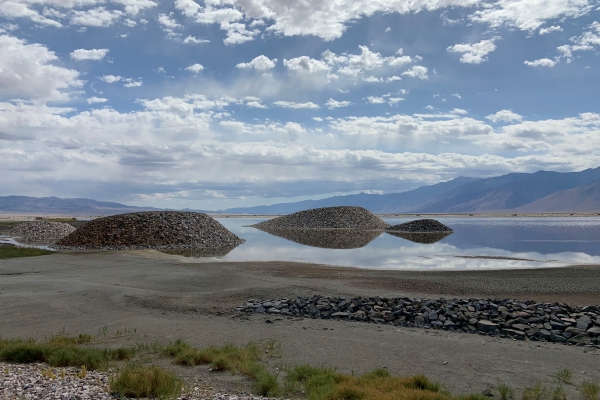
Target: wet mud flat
[(167, 297)]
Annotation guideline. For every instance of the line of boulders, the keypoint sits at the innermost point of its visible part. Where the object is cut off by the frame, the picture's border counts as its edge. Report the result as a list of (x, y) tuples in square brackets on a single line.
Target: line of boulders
[(553, 322)]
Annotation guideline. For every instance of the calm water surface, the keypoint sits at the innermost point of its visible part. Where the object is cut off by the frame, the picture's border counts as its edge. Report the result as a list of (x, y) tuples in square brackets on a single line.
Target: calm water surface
[(477, 243)]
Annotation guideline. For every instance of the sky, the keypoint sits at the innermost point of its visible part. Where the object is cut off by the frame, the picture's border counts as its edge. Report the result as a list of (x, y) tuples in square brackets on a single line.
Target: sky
[(225, 103)]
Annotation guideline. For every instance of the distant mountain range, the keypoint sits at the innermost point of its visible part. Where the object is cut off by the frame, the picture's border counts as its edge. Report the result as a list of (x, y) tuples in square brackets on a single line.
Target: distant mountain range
[(55, 205), (542, 191)]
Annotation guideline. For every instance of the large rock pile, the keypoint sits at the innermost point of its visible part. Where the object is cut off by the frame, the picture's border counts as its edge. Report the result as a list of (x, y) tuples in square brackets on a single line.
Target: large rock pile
[(343, 217), (421, 226), (40, 232), (507, 318), (153, 229), (326, 238)]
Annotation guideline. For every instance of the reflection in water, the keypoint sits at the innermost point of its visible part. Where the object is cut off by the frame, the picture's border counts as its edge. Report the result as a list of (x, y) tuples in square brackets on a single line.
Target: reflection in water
[(326, 238), (201, 252), (423, 238)]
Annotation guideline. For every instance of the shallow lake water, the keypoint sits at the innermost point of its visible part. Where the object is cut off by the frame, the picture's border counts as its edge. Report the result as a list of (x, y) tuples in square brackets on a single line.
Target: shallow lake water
[(477, 243)]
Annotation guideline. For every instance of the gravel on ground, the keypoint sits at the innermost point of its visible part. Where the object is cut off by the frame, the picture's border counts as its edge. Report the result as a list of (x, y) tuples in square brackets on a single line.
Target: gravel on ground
[(343, 217), (40, 232), (152, 229)]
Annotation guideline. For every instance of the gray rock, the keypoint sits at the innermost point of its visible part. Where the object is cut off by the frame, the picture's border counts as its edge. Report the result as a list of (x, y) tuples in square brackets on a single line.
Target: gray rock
[(486, 326)]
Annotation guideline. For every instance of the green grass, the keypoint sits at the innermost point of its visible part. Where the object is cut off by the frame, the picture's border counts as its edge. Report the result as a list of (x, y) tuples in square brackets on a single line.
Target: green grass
[(146, 381), (61, 351), (565, 376), (590, 391), (537, 392), (506, 392), (12, 251)]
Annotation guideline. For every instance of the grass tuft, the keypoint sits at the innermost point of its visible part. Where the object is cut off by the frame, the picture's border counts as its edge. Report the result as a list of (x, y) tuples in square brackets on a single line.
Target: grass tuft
[(506, 392), (146, 381), (590, 391), (537, 392), (565, 376)]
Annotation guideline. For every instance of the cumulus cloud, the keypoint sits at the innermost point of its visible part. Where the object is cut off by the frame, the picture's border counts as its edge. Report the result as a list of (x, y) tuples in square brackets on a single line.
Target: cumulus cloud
[(261, 63), (331, 104), (290, 104), (111, 78), (98, 17), (93, 54), (588, 41), (94, 100), (132, 84), (474, 53), (542, 62), (306, 64), (504, 116), (375, 100), (195, 68), (550, 29), (416, 71), (27, 72), (193, 40), (15, 9)]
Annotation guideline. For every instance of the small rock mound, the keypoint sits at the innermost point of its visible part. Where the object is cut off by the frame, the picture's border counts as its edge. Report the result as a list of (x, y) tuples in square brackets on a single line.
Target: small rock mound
[(327, 238), (421, 226), (153, 229), (343, 217), (40, 232)]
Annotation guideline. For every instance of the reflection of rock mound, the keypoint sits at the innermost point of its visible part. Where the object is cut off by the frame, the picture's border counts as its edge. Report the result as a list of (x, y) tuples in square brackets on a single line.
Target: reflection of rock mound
[(40, 232), (154, 229), (326, 238), (344, 217), (201, 252), (421, 226), (424, 238)]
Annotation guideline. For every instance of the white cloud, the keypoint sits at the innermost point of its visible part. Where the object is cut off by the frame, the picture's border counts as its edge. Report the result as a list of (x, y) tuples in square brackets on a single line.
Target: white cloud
[(168, 22), (393, 78), (588, 41), (529, 15), (94, 100), (318, 119), (15, 9), (395, 100), (306, 64), (290, 104), (194, 40), (474, 53), (260, 63), (26, 71), (456, 95), (504, 116), (195, 68), (460, 111), (93, 54), (133, 83), (388, 29), (417, 71), (372, 79), (98, 17), (255, 104), (111, 78), (331, 104), (550, 29), (542, 62), (375, 100)]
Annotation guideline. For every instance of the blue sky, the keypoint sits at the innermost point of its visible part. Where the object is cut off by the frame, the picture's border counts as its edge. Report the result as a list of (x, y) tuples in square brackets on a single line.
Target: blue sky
[(223, 103)]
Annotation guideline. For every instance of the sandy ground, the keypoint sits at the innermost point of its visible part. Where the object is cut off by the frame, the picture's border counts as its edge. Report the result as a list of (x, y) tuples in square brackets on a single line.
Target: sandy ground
[(166, 297)]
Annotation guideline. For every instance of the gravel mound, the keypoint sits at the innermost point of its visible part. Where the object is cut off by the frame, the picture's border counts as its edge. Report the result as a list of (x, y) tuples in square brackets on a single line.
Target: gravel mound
[(421, 226), (40, 232), (326, 238), (344, 217), (423, 238), (153, 229), (507, 318)]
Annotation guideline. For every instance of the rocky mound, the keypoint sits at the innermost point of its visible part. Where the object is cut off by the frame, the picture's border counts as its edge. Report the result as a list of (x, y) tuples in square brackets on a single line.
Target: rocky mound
[(40, 232), (344, 217), (326, 238), (423, 238), (153, 229), (421, 226)]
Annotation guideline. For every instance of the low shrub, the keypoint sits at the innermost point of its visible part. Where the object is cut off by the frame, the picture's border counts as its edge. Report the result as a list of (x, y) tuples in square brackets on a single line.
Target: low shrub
[(146, 381)]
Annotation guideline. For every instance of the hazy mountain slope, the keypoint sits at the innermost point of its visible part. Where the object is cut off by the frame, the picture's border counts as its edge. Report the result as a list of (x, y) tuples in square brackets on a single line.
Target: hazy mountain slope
[(507, 192), (580, 199), (380, 203), (55, 205)]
